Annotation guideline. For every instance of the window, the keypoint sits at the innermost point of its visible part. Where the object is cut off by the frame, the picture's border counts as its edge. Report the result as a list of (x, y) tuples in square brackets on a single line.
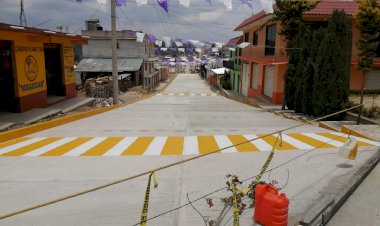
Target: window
[(270, 40), (378, 48), (255, 38), (246, 37)]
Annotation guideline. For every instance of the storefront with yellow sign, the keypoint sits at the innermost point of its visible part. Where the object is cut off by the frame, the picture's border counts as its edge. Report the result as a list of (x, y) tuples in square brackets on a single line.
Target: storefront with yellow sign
[(36, 67)]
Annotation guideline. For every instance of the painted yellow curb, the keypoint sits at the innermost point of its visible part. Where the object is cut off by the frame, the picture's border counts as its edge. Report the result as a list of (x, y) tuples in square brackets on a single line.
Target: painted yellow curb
[(304, 120), (12, 134), (347, 130), (326, 126), (16, 133)]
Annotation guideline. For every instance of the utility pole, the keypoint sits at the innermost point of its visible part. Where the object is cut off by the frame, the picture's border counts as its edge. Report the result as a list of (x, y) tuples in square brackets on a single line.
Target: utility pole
[(22, 14), (114, 54)]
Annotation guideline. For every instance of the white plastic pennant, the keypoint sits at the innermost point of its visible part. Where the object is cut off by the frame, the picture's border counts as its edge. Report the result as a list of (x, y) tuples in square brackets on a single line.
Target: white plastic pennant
[(178, 44), (227, 4), (140, 37), (181, 49), (102, 2), (219, 44), (141, 2), (164, 49), (267, 6), (158, 42), (214, 50), (232, 49), (185, 3), (199, 50)]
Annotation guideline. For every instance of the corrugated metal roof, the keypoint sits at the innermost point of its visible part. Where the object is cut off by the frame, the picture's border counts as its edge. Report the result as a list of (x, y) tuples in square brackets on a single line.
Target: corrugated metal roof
[(105, 65)]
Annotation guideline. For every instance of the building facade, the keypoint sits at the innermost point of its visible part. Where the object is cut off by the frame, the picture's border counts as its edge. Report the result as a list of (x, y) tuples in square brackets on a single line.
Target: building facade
[(136, 59), (36, 67), (264, 61)]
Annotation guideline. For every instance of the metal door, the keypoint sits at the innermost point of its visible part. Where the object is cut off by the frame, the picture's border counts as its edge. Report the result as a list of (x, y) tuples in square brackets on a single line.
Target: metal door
[(268, 80)]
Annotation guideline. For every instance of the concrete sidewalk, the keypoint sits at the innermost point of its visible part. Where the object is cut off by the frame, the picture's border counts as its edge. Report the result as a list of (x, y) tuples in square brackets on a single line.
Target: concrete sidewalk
[(8, 119)]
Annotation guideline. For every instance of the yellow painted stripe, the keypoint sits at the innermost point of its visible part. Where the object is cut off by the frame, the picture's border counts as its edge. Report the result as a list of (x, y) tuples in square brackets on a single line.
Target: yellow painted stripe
[(173, 146), (236, 139), (31, 147), (207, 144), (58, 151), (103, 146), (139, 146), (310, 141), (272, 139), (197, 94), (343, 138), (15, 141)]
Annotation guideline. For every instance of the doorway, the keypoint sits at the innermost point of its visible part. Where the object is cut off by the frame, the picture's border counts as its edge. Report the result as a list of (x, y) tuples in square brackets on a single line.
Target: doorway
[(7, 81), (53, 68)]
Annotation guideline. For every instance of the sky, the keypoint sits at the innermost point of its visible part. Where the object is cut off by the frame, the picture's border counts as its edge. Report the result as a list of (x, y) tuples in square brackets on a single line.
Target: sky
[(201, 21)]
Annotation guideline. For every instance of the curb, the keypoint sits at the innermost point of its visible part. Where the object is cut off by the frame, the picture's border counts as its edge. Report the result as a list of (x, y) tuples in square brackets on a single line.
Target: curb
[(326, 126), (323, 211), (347, 130), (16, 133)]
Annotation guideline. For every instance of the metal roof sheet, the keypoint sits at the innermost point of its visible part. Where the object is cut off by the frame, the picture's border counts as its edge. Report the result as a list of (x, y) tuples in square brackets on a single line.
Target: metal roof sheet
[(105, 65)]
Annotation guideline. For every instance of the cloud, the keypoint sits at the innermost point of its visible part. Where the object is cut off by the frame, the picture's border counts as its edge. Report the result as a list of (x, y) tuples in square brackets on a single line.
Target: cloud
[(210, 16), (200, 21)]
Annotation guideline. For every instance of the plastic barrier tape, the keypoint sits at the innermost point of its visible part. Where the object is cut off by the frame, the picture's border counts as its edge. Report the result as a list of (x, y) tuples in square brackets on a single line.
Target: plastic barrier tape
[(144, 213)]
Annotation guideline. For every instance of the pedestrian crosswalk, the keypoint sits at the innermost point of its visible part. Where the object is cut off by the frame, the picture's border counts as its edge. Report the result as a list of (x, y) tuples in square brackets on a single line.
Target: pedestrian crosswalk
[(169, 145), (189, 94)]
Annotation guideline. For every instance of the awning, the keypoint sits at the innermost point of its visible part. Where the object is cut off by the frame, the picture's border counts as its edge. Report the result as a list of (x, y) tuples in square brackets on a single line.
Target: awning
[(220, 71), (105, 65)]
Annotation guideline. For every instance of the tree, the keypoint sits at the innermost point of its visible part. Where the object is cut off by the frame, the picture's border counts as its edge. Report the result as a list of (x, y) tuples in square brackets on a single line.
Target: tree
[(331, 81), (290, 12), (312, 41), (367, 22)]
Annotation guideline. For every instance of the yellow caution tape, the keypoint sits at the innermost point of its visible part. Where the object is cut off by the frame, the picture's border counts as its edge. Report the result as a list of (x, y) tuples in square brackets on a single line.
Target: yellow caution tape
[(144, 213), (244, 190), (236, 211)]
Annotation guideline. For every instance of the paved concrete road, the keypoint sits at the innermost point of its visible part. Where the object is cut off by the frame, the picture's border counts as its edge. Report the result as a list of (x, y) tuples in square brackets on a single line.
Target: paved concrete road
[(25, 181)]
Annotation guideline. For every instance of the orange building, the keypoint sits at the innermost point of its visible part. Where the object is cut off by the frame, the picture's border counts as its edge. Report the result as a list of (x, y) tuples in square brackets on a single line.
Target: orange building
[(36, 67), (264, 61)]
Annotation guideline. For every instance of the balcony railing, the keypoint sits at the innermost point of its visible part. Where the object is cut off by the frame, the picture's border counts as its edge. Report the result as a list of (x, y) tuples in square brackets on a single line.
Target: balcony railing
[(259, 52)]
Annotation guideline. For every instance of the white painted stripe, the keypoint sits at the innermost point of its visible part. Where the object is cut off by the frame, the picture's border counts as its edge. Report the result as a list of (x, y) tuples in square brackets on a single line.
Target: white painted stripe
[(223, 142), (214, 95), (190, 146), (85, 147), (203, 95), (171, 94), (192, 94), (296, 143), (20, 145), (120, 147), (182, 94), (359, 139), (324, 139), (51, 146), (155, 148), (159, 94), (260, 143)]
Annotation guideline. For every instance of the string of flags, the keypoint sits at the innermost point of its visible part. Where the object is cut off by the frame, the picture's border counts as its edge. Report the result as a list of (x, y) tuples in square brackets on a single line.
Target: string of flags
[(164, 4)]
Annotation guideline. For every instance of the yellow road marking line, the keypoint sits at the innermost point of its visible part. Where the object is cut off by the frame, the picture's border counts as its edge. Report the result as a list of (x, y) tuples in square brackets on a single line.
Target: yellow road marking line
[(58, 151), (343, 138), (207, 144), (139, 146), (173, 146), (272, 139), (236, 139), (103, 146), (31, 147), (310, 141), (15, 141)]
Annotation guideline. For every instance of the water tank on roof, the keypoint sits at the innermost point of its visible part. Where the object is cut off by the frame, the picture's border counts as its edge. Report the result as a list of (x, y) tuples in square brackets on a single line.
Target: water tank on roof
[(92, 24)]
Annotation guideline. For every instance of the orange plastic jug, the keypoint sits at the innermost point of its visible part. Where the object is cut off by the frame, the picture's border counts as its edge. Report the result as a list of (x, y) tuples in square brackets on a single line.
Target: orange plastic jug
[(271, 208)]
